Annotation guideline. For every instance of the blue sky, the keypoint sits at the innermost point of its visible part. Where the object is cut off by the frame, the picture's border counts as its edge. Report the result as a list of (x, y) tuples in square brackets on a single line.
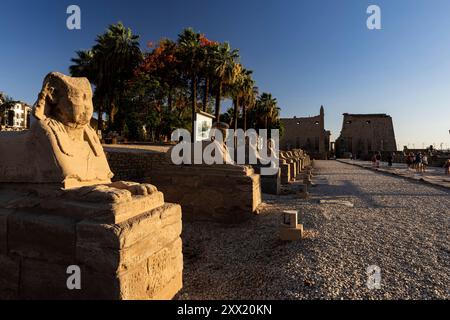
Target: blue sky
[(306, 53)]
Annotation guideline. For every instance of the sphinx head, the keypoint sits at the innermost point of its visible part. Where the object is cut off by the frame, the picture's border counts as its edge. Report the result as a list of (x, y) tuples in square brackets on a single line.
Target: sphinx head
[(65, 99)]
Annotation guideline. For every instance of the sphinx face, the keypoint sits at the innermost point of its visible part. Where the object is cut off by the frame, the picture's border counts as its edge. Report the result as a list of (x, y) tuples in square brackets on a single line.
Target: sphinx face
[(75, 109)]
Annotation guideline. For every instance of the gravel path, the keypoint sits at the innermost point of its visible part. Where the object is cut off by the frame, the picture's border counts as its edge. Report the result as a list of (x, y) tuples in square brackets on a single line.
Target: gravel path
[(398, 225)]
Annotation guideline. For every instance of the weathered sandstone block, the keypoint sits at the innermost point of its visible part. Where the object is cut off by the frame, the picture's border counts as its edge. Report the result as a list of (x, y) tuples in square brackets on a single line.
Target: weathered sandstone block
[(34, 234), (111, 252), (129, 243)]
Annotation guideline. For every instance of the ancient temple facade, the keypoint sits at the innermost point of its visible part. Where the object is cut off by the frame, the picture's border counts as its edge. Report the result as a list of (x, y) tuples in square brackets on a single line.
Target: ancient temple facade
[(364, 134), (307, 133)]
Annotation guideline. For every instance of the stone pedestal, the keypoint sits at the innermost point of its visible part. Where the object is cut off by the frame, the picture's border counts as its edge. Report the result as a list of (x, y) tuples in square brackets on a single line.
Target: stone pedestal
[(291, 234), (285, 172), (290, 229), (270, 184), (125, 243), (290, 173)]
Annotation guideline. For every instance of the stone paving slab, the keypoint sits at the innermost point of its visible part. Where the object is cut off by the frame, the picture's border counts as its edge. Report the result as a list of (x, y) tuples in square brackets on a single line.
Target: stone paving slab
[(433, 176)]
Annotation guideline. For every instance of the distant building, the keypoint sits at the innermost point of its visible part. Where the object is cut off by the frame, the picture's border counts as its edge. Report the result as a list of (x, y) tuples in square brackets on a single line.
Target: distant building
[(307, 133), (363, 134), (14, 115)]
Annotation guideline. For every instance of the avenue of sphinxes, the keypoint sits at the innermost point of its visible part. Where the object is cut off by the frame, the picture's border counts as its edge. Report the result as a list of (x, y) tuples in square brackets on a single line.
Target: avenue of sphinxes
[(67, 231)]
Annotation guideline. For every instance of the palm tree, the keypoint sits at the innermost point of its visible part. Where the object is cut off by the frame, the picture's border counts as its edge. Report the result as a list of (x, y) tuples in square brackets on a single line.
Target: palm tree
[(235, 90), (249, 93), (228, 116), (189, 43), (243, 93), (83, 65), (248, 103), (226, 70), (109, 65), (207, 52), (119, 54), (267, 109)]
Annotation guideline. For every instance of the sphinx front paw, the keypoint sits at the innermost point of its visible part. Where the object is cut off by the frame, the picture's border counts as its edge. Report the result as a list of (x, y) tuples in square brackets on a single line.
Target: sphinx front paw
[(136, 189)]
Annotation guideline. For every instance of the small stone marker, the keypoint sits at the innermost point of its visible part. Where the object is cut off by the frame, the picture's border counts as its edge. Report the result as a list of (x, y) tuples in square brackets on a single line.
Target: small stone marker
[(290, 229)]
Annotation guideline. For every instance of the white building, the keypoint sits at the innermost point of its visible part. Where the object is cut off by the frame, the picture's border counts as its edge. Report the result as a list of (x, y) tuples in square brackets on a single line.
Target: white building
[(15, 116)]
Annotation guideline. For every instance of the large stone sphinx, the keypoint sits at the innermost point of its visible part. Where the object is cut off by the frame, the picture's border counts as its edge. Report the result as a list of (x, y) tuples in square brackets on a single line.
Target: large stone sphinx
[(61, 147), (60, 211)]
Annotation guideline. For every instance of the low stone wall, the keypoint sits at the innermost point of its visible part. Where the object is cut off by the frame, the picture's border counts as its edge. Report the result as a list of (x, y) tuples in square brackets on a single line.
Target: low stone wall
[(223, 193), (132, 166), (129, 250)]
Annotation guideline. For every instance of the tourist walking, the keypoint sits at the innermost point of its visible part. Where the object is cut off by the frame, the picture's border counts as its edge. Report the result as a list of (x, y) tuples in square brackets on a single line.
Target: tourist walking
[(418, 162), (424, 162), (410, 160), (447, 167), (390, 159), (408, 163), (377, 159)]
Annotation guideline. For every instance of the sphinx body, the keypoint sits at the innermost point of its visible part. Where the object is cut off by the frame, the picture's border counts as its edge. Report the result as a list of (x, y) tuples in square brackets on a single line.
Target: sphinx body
[(60, 148)]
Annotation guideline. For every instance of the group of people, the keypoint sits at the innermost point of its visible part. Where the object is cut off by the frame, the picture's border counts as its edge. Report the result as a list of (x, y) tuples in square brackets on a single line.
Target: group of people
[(417, 161), (414, 161)]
